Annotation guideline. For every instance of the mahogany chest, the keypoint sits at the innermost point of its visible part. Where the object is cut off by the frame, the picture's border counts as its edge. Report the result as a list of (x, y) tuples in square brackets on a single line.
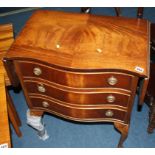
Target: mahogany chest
[(81, 67)]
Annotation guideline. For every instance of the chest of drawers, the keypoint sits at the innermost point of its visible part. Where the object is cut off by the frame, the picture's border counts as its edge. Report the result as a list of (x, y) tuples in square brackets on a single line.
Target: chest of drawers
[(81, 67)]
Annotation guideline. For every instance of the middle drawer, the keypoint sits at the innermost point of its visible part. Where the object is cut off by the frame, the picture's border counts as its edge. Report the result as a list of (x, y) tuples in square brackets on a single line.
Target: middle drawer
[(79, 97)]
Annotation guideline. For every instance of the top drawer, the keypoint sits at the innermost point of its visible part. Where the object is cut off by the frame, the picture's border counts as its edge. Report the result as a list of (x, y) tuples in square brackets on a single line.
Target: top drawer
[(75, 79)]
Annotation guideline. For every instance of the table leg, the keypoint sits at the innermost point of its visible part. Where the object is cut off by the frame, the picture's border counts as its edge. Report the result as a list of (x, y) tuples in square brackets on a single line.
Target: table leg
[(34, 119), (123, 128), (13, 116)]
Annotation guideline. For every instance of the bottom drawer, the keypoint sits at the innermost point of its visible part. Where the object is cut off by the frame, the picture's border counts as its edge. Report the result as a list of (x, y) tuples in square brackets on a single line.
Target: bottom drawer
[(81, 113)]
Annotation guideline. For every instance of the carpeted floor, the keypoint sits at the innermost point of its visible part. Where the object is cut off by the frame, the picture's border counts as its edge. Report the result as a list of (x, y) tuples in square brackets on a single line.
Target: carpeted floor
[(69, 134)]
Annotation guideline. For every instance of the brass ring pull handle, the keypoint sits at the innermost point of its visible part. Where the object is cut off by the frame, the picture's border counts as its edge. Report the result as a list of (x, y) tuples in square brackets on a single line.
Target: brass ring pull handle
[(45, 104), (110, 98), (112, 81), (109, 113), (37, 71), (41, 88)]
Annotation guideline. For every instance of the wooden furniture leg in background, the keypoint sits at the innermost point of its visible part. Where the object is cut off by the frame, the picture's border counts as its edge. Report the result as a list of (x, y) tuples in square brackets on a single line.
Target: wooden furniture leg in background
[(123, 128), (85, 9), (140, 11), (151, 125), (88, 10), (118, 11), (13, 116), (151, 87)]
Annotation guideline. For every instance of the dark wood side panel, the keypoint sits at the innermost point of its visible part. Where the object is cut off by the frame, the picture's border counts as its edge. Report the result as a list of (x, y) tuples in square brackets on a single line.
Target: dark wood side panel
[(142, 91), (10, 69)]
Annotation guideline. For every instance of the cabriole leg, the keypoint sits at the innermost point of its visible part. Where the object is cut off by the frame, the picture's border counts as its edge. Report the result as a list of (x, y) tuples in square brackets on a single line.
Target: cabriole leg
[(123, 128), (34, 119)]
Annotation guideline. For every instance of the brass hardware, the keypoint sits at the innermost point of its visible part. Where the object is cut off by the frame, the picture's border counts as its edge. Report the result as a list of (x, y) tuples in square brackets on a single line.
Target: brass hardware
[(41, 88), (37, 71), (99, 50), (57, 46), (112, 80), (111, 98), (109, 113), (45, 104)]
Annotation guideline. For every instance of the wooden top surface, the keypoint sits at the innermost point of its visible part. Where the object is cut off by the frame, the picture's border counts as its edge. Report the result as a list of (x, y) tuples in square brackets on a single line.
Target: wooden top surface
[(6, 40), (85, 41)]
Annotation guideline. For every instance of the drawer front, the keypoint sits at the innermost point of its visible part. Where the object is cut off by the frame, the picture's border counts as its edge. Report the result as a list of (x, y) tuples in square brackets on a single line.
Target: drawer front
[(76, 112), (75, 79), (79, 98)]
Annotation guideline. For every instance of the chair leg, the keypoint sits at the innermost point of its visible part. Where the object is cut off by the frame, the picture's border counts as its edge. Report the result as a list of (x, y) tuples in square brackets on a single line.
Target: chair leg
[(13, 116), (118, 11), (85, 9), (151, 125)]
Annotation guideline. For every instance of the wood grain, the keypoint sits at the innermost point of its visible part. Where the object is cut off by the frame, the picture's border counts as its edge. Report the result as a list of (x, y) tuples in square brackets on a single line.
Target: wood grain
[(7, 108), (81, 41), (77, 97), (4, 124), (76, 55), (79, 114), (6, 40), (74, 79)]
